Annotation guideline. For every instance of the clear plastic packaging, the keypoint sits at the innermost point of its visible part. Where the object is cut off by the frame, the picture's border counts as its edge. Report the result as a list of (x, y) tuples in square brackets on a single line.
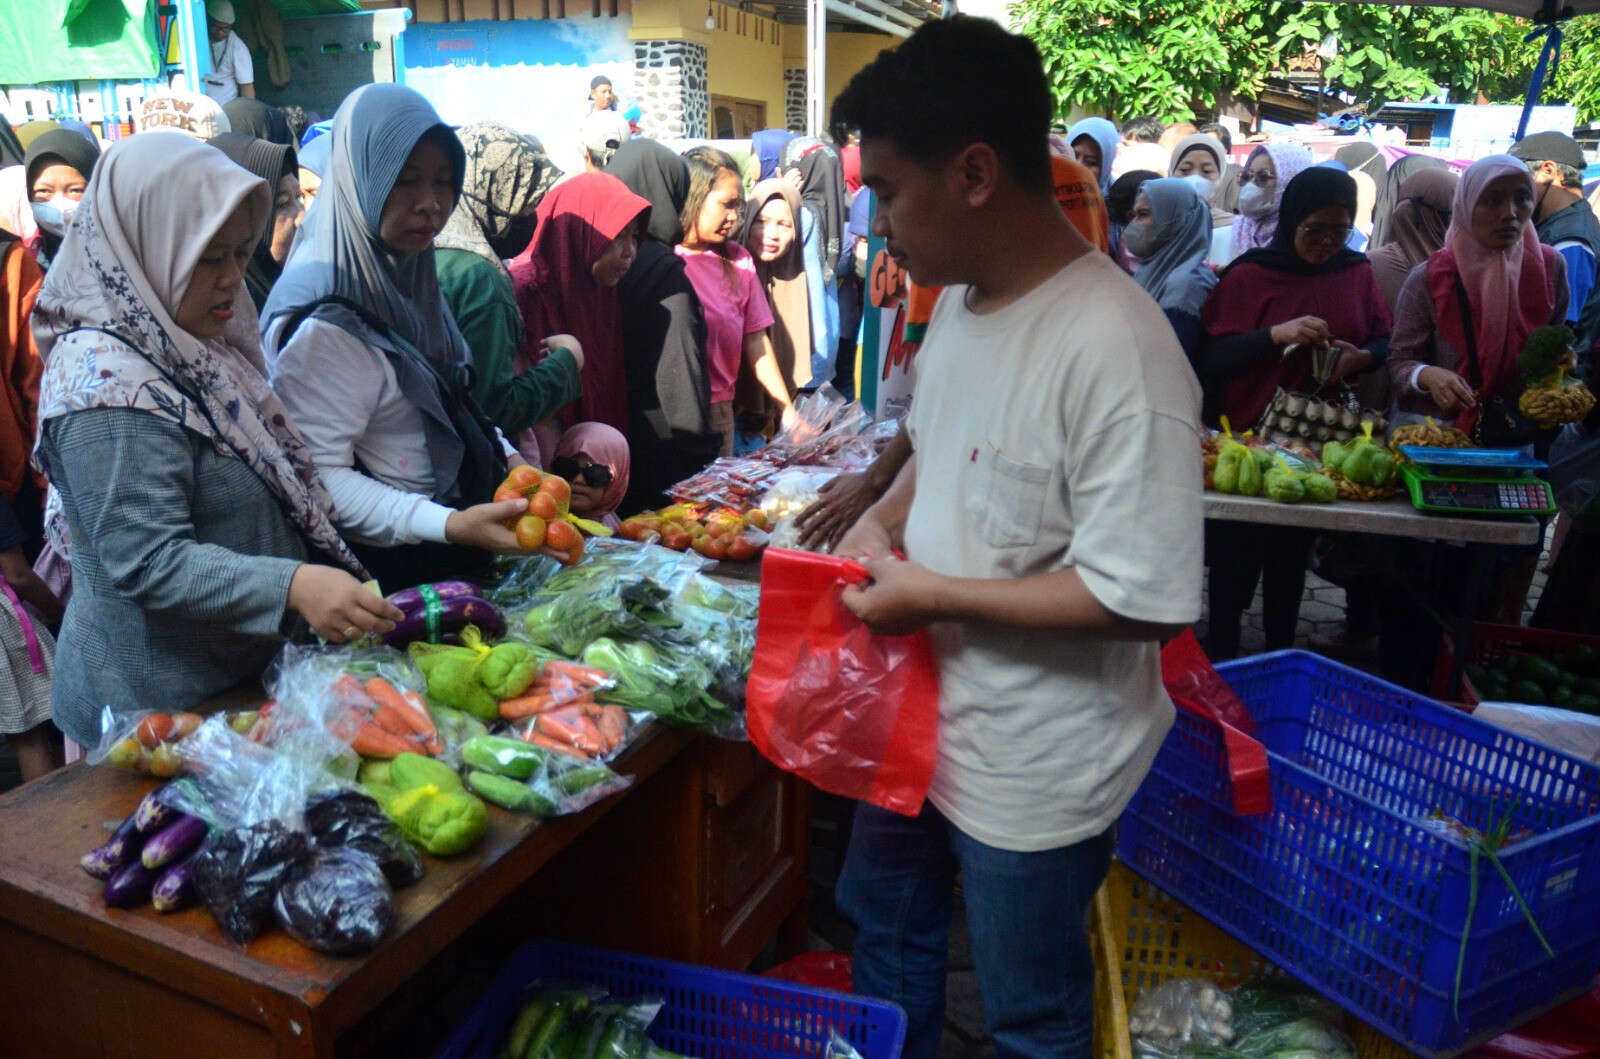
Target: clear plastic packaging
[(794, 490), (354, 819), (1182, 1011)]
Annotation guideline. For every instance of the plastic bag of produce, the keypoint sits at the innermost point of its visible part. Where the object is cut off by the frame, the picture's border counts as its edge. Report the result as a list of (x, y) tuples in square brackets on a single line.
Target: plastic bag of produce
[(1306, 1038), (144, 741), (854, 713), (354, 820), (1182, 1011), (542, 777), (239, 870), (1263, 1003), (335, 900), (369, 701), (557, 1020)]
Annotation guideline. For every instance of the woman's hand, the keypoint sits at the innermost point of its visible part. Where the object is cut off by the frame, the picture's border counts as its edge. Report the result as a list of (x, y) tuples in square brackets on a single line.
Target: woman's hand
[(1352, 360), (487, 526), (1301, 331), (1447, 389), (337, 606), (568, 343)]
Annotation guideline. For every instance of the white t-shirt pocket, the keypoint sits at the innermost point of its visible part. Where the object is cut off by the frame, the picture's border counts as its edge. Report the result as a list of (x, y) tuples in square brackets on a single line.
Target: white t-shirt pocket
[(1013, 499)]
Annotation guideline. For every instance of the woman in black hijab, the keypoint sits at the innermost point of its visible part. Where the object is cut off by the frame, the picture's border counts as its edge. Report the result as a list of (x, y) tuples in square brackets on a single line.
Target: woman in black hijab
[(663, 336), (59, 165), (276, 164)]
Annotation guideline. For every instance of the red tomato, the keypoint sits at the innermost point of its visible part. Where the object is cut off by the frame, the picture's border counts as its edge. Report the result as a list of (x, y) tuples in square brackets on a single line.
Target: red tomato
[(154, 728), (678, 540), (523, 478), (563, 537), (741, 550), (531, 532), (716, 548), (544, 505), (506, 491), (557, 489)]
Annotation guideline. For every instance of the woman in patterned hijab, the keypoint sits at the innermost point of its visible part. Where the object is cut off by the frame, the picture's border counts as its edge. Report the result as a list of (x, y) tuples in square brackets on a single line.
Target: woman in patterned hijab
[(506, 177), (191, 497)]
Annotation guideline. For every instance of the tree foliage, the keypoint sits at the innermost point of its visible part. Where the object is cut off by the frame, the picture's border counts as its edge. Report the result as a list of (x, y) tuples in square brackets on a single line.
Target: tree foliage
[(1175, 58)]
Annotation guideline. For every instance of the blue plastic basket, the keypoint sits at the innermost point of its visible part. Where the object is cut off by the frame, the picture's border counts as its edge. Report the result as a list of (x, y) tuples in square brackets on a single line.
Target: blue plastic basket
[(707, 1013), (1343, 886)]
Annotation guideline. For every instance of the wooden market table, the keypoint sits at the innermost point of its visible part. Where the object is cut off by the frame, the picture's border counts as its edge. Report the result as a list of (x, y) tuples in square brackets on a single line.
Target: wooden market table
[(1387, 518), (702, 859)]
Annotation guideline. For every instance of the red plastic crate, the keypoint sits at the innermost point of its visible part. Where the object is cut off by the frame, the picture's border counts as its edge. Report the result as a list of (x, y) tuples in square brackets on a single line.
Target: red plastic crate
[(1490, 642)]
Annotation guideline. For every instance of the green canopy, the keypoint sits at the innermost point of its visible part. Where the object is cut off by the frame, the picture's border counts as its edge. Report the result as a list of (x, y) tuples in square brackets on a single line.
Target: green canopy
[(77, 40)]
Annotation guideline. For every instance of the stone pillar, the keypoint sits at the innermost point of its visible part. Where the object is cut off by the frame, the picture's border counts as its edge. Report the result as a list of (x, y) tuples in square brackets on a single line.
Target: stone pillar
[(671, 80), (794, 98)]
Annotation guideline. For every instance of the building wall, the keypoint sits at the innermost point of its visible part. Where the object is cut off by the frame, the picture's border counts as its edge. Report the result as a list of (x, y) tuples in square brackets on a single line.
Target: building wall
[(530, 74), (848, 53)]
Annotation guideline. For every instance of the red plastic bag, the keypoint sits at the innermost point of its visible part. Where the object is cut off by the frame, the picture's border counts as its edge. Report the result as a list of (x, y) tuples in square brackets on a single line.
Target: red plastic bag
[(824, 970), (1197, 687), (1571, 1031), (854, 713)]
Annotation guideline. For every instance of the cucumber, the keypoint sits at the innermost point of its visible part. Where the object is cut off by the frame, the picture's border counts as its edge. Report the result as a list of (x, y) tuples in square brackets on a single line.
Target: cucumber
[(521, 1030), (499, 790)]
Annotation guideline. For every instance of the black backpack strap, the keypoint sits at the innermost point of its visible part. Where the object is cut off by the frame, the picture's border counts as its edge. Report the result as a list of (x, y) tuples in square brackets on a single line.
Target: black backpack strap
[(1474, 368)]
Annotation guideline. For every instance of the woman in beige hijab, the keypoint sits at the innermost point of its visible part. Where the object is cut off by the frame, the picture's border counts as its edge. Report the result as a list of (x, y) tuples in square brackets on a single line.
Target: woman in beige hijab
[(771, 232)]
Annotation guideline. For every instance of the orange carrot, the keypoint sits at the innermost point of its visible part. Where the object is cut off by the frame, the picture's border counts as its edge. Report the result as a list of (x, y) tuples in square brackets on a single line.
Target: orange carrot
[(571, 725), (526, 706), (531, 736), (556, 670), (390, 720), (424, 720), (613, 723), (372, 741), (415, 718)]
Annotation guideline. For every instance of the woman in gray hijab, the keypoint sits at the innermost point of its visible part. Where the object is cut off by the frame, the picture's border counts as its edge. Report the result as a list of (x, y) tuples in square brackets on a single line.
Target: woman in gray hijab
[(367, 357)]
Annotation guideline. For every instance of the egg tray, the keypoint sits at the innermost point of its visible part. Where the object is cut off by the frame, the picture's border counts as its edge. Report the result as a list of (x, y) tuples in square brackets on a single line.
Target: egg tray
[(1299, 419)]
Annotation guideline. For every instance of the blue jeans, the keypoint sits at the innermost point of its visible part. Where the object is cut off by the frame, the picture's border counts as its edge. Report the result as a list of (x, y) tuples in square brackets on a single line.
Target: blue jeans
[(1026, 913)]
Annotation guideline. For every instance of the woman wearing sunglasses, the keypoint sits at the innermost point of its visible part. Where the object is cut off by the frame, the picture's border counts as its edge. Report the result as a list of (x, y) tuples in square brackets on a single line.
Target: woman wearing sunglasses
[(594, 458), (1305, 289), (1265, 178)]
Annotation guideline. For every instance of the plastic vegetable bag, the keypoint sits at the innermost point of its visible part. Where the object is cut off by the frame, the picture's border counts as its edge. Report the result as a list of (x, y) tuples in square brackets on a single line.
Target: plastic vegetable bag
[(854, 713), (335, 900), (524, 777), (1182, 1011), (557, 1020), (369, 700), (355, 820)]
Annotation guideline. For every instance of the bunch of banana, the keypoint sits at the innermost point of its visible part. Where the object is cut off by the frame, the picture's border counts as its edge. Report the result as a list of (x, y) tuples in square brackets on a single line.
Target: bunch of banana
[(1551, 406)]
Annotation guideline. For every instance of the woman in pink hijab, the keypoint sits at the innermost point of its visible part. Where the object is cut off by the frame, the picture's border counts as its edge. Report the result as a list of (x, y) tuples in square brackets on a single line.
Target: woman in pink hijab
[(594, 458), (1465, 313)]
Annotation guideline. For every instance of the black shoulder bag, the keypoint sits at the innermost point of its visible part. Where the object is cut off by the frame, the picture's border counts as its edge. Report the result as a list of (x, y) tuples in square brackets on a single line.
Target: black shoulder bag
[(1501, 424)]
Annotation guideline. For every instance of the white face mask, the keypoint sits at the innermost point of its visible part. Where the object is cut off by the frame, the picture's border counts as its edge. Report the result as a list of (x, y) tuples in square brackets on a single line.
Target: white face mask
[(1202, 187), (54, 215), (1256, 201)]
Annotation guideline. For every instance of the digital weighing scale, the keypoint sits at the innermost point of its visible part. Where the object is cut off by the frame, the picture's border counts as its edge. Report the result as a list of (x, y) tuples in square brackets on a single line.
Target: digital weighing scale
[(1475, 482)]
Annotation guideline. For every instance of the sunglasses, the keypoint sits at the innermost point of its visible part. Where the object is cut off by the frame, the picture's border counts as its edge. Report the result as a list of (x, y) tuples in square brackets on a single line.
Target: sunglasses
[(1262, 178), (596, 475)]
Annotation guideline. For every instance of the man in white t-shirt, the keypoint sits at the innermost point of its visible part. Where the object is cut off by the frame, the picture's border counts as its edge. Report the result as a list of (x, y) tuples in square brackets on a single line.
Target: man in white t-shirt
[(233, 74), (1051, 519)]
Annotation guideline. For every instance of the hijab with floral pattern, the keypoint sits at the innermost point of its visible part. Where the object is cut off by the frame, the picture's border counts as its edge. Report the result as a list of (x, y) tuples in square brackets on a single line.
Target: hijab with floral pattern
[(123, 268)]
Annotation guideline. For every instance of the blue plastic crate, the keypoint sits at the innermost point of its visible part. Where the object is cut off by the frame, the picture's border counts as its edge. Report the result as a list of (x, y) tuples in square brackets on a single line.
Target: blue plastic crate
[(707, 1013), (1342, 886)]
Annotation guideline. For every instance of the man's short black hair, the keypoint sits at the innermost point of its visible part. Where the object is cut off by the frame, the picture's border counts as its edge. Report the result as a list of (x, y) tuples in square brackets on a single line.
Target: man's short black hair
[(1144, 130), (955, 82), (1220, 131)]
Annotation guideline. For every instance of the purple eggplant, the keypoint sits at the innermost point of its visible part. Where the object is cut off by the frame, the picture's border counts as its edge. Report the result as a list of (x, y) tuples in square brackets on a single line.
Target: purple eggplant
[(455, 613), (130, 886), (175, 889), (120, 849), (152, 813), (410, 599), (174, 842)]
